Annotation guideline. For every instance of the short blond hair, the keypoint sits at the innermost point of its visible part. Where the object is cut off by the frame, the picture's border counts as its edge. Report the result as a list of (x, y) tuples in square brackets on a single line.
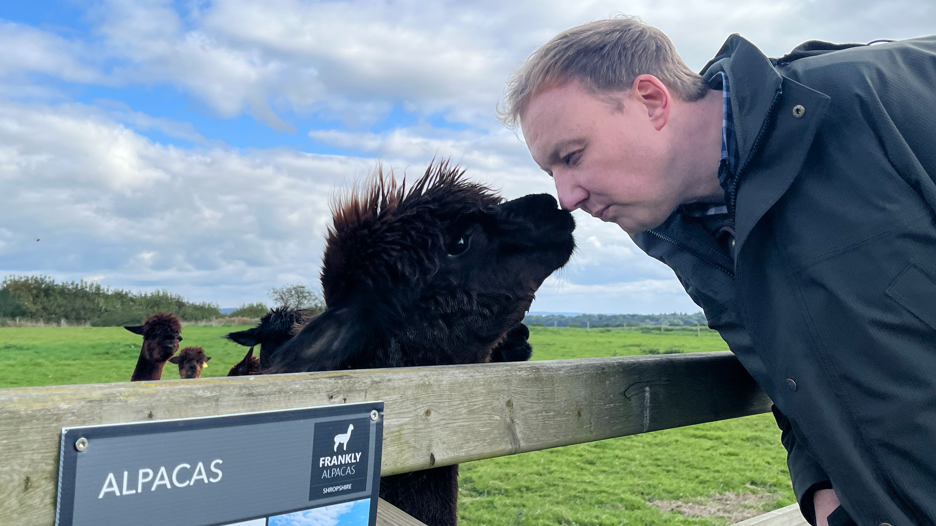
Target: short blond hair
[(605, 56)]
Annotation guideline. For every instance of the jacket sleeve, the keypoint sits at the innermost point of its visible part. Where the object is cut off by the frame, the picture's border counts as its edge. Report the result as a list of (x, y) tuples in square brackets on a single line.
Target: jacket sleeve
[(808, 477)]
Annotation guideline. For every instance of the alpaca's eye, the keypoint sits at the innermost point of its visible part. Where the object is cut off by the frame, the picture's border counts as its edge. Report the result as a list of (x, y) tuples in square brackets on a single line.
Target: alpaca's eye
[(459, 245)]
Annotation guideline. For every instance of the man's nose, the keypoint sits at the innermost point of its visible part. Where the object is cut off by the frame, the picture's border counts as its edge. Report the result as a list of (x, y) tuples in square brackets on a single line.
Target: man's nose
[(571, 196)]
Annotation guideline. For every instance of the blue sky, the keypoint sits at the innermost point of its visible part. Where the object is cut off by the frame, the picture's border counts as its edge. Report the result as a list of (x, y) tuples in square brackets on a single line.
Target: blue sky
[(193, 145), (347, 514)]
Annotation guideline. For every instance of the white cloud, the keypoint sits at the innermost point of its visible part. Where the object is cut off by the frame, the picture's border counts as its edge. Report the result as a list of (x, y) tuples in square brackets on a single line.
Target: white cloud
[(29, 50), (107, 201)]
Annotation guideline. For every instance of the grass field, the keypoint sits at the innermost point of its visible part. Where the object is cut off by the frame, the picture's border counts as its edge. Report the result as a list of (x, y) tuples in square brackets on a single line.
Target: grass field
[(710, 474)]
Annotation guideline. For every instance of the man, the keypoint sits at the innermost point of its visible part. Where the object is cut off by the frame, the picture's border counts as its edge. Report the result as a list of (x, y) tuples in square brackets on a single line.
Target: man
[(795, 201)]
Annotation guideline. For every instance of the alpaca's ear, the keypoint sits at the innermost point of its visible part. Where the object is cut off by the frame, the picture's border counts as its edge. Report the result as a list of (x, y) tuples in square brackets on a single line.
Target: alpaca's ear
[(135, 329), (333, 340), (246, 338), (207, 358), (174, 359)]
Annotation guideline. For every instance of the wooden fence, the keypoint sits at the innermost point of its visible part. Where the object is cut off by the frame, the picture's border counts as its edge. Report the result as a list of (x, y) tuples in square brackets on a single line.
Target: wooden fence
[(434, 416)]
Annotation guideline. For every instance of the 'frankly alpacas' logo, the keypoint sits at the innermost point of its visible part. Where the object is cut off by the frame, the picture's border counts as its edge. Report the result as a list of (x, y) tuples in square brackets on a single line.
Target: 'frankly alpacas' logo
[(339, 456)]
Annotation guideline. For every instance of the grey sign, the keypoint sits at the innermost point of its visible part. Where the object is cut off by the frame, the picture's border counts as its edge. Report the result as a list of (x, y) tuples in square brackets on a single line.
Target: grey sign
[(220, 470)]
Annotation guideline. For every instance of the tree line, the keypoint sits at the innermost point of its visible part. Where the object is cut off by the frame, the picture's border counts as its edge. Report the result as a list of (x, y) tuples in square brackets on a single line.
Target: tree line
[(616, 320), (40, 298)]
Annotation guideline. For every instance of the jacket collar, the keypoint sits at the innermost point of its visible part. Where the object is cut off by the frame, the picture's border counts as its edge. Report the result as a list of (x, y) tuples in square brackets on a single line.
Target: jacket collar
[(754, 86)]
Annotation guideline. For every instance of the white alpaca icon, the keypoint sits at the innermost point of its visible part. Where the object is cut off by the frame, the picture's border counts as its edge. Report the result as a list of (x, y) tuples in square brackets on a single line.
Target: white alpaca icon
[(342, 438)]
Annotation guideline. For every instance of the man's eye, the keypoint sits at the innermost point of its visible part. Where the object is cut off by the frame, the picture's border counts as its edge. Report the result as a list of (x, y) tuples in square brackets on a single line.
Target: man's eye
[(571, 158)]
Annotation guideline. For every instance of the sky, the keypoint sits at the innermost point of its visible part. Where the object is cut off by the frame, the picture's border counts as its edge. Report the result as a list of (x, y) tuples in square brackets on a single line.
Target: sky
[(194, 145), (347, 514)]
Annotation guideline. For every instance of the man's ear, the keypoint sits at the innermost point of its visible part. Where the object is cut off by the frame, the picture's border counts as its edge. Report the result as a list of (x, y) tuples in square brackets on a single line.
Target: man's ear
[(247, 338), (655, 98), (334, 340), (135, 329), (174, 359)]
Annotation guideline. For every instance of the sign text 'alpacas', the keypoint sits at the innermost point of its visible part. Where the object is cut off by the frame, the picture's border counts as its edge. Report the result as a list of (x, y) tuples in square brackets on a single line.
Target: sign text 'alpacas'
[(162, 478)]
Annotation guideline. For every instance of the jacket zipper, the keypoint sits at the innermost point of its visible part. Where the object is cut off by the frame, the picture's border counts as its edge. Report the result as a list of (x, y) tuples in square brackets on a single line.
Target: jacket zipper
[(703, 257), (733, 193)]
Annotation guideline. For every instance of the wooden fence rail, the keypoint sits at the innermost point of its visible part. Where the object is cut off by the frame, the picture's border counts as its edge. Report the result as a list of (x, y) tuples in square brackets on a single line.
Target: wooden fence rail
[(433, 416)]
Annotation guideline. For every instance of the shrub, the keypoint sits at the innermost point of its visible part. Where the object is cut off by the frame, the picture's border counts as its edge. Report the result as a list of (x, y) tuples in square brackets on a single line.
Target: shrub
[(298, 296), (9, 307), (250, 310)]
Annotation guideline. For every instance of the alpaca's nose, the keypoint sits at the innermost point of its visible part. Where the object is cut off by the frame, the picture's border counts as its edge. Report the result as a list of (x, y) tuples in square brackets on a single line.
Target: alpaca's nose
[(541, 209)]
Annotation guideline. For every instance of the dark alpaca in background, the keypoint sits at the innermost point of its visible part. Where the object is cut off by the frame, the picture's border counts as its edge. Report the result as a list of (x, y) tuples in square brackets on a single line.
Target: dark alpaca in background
[(249, 366), (440, 273), (161, 333), (191, 361), (275, 328)]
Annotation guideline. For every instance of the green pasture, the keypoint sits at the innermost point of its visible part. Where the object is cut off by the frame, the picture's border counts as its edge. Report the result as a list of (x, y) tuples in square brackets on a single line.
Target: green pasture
[(709, 474)]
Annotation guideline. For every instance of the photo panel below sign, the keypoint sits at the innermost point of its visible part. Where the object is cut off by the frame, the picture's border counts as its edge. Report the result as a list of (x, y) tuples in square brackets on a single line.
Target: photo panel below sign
[(355, 513), (254, 469)]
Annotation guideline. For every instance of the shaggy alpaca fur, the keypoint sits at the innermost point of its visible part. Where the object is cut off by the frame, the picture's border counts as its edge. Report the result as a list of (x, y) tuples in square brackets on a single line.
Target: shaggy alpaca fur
[(249, 366), (191, 361), (438, 273), (161, 336), (275, 328)]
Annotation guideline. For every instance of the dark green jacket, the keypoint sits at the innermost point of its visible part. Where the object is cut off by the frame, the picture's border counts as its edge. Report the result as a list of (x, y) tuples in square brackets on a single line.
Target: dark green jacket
[(829, 296)]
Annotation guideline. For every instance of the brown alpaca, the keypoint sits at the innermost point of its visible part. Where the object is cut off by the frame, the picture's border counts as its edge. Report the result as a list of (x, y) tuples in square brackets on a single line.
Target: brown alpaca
[(161, 336), (191, 361), (249, 366), (438, 273)]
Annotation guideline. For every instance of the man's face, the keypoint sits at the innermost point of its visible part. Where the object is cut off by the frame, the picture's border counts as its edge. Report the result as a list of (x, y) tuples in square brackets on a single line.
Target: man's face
[(605, 154)]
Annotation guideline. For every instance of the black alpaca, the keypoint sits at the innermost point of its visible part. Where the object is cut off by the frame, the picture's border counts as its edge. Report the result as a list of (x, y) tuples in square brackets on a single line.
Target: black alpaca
[(438, 273), (275, 328)]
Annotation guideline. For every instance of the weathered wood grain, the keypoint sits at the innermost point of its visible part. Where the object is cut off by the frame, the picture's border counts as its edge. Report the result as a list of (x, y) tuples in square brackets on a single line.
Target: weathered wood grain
[(433, 416), (788, 516), (390, 515)]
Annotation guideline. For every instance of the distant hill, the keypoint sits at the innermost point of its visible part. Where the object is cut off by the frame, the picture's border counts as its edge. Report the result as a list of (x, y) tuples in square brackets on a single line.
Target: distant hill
[(615, 320)]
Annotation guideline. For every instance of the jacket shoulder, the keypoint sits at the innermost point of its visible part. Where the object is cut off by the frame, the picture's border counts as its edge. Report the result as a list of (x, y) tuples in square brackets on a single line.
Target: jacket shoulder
[(829, 68)]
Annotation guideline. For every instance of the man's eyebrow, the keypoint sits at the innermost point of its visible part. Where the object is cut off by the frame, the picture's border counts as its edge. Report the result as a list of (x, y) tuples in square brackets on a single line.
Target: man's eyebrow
[(555, 155)]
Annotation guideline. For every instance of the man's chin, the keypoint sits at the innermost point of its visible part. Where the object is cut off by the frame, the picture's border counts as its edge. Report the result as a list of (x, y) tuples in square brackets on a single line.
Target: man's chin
[(625, 225), (632, 227)]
